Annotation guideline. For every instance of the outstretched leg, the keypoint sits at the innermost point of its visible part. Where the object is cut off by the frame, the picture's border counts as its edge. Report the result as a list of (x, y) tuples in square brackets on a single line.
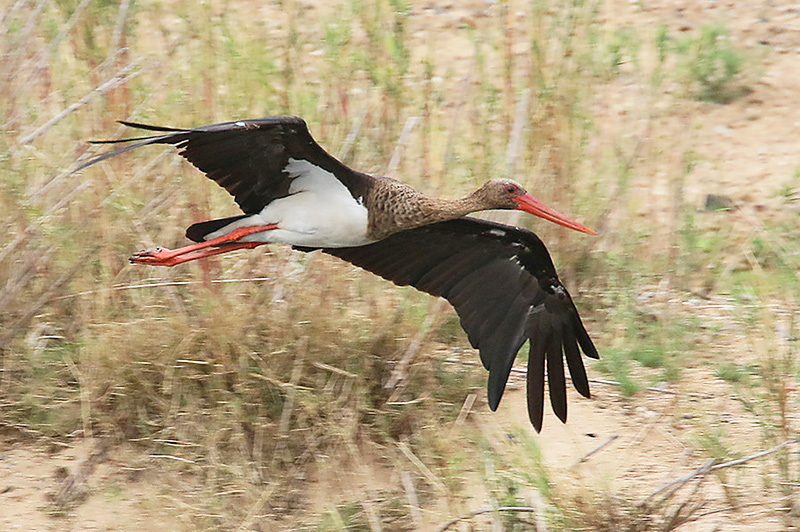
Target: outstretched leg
[(222, 244)]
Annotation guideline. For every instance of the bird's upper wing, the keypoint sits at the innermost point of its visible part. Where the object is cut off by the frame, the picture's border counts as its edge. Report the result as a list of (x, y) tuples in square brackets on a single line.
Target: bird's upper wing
[(505, 289), (248, 158)]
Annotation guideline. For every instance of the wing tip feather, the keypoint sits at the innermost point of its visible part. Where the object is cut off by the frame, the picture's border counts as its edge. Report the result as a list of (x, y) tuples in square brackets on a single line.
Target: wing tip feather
[(556, 382)]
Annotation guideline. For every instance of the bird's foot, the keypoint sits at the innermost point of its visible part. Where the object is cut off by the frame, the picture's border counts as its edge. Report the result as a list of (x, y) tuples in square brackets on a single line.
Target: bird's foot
[(155, 257)]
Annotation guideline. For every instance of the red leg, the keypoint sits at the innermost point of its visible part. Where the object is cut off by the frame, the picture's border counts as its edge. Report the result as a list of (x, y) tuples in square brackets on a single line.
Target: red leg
[(170, 257), (147, 256)]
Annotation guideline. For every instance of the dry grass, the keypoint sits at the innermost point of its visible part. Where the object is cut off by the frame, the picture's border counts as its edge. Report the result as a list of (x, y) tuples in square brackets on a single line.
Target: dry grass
[(252, 385)]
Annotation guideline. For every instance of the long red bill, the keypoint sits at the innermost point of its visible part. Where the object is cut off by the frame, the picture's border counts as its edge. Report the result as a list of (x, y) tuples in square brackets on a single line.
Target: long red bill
[(533, 206)]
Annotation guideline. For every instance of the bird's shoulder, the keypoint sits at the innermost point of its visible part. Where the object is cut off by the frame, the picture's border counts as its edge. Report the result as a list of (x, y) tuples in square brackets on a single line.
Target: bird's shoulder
[(507, 241)]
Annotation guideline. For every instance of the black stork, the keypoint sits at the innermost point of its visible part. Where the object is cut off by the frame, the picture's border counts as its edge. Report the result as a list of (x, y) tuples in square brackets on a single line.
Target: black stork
[(500, 279)]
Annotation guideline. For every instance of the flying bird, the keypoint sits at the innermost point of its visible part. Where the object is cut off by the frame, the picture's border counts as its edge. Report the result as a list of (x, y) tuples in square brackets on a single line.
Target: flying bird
[(500, 279)]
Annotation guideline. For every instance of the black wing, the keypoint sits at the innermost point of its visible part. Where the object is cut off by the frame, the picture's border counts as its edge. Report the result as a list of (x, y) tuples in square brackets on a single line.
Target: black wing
[(505, 289), (247, 157)]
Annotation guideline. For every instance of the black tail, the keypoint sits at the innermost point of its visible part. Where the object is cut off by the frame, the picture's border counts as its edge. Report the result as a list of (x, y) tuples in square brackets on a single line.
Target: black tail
[(198, 231), (170, 135)]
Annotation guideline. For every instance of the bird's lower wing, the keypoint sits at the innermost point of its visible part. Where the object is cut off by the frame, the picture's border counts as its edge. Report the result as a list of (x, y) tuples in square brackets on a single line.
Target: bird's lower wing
[(503, 285)]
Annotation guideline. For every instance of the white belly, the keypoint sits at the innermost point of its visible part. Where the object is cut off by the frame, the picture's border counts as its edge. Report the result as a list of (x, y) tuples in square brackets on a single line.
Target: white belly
[(306, 219), (319, 212)]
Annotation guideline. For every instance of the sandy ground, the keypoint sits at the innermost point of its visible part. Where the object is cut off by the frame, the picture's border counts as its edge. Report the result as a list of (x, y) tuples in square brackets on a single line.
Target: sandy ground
[(79, 487), (746, 150)]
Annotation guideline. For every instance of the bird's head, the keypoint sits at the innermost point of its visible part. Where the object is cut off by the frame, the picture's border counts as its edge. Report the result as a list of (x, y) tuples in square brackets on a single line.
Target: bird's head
[(508, 194)]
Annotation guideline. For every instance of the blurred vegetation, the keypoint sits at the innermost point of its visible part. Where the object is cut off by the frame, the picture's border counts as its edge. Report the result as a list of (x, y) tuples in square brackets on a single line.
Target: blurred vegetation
[(711, 63), (255, 368)]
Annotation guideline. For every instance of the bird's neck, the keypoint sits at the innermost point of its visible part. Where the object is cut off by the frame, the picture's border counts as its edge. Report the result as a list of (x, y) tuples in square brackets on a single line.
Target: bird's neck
[(441, 209), (413, 209)]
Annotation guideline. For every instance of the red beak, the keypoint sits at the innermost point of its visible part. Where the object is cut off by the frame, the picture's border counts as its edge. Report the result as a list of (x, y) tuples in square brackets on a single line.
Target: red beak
[(533, 206)]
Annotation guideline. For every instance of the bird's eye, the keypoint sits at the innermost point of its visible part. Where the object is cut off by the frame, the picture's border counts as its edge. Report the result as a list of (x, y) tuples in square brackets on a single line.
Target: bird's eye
[(511, 189)]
